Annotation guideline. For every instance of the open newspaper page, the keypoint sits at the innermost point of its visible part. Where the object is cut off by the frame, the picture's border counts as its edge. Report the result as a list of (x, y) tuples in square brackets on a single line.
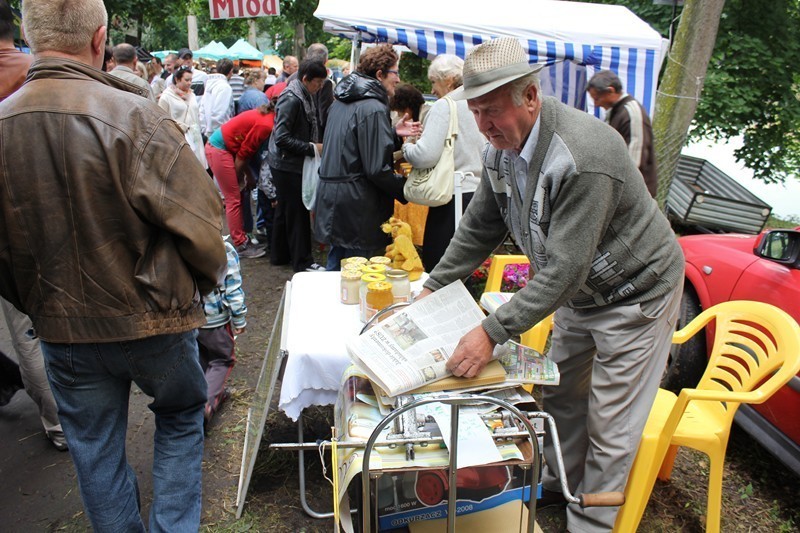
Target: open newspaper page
[(526, 365), (411, 348)]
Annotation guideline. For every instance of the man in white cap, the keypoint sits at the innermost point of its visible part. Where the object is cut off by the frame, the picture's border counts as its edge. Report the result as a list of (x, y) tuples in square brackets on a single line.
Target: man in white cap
[(606, 262)]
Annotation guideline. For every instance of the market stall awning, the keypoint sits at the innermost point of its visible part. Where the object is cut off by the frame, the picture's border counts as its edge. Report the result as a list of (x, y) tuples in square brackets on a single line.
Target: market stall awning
[(573, 39), (241, 49), (212, 50)]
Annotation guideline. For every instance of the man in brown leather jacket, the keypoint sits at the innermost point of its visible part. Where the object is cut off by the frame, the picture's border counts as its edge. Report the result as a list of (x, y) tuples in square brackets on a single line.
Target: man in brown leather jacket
[(110, 232)]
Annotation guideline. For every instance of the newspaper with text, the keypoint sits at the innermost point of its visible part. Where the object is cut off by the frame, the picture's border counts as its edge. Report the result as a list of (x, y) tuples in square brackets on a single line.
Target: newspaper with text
[(411, 348)]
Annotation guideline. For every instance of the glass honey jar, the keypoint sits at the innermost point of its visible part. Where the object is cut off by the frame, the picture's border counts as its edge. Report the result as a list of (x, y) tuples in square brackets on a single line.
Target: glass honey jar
[(401, 287), (366, 279), (349, 286), (379, 297)]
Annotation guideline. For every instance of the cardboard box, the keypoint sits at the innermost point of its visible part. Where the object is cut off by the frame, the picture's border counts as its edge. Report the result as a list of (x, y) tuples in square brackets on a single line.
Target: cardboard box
[(410, 496)]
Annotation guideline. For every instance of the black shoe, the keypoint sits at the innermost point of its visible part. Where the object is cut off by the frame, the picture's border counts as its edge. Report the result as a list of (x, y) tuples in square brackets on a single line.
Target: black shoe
[(550, 499), (250, 251), (58, 440)]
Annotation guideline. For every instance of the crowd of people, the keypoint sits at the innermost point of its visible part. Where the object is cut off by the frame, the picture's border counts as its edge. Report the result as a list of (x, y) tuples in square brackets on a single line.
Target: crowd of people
[(129, 278)]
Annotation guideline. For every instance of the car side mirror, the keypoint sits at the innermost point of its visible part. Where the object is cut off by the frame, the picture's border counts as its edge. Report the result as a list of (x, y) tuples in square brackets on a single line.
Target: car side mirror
[(780, 246)]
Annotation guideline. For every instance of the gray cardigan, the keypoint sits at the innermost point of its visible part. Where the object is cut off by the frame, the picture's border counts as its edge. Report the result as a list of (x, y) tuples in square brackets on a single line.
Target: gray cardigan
[(593, 234), (425, 153)]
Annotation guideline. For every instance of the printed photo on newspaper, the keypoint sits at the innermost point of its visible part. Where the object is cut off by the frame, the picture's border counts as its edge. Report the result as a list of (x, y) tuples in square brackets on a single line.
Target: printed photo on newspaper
[(411, 348), (525, 365)]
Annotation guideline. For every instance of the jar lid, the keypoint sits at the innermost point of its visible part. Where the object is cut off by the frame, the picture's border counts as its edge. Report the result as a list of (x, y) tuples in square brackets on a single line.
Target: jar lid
[(374, 269), (396, 273), (373, 277), (356, 260), (379, 286), (351, 274), (380, 260), (354, 267)]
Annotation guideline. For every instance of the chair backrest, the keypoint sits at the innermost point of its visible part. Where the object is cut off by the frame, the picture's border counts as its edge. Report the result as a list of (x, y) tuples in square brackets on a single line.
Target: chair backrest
[(494, 278), (756, 351)]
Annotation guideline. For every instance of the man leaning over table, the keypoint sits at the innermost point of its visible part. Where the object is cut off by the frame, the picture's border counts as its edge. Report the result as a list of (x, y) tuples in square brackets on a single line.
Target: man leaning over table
[(605, 258)]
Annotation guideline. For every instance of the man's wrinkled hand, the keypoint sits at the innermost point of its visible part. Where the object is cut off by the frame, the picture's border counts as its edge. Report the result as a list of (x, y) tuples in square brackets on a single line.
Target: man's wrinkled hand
[(473, 353)]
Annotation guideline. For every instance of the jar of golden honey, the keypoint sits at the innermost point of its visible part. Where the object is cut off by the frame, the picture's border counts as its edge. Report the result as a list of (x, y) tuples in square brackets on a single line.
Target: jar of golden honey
[(366, 279), (379, 297)]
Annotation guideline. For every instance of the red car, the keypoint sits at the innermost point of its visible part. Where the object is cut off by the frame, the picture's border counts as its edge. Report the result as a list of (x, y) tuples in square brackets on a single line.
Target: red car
[(764, 268)]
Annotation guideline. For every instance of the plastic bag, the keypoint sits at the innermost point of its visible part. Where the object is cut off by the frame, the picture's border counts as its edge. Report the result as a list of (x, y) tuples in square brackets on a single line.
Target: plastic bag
[(310, 179)]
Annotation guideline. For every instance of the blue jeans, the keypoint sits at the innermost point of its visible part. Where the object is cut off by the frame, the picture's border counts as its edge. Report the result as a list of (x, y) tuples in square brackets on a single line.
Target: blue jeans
[(337, 253), (91, 384)]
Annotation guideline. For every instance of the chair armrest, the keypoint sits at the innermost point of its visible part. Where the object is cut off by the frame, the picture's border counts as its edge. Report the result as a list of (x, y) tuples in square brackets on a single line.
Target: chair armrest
[(690, 329)]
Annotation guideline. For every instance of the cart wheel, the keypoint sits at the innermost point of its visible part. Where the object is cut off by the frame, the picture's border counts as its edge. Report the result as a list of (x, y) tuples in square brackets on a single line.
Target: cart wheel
[(430, 488)]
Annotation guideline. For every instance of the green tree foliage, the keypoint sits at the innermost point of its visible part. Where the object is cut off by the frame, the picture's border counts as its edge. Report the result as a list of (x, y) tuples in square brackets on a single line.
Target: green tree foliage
[(339, 48), (283, 29), (124, 14), (752, 86), (414, 70)]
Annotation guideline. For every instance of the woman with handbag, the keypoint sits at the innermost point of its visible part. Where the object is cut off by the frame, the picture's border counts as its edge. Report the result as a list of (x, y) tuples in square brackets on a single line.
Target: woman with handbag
[(445, 75), (180, 103), (295, 139)]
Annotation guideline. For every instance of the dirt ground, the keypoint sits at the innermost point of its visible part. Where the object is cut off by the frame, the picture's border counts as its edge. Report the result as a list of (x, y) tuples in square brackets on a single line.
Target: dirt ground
[(41, 493)]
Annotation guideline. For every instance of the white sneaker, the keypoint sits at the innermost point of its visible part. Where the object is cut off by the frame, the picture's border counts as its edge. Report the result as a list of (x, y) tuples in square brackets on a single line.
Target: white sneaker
[(315, 267)]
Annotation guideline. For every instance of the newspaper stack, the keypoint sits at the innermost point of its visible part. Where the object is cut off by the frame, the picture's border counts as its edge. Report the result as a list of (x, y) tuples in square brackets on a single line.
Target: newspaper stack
[(410, 349)]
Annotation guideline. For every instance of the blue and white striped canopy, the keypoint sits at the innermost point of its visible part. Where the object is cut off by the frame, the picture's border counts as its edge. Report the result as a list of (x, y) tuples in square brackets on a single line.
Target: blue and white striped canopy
[(574, 40)]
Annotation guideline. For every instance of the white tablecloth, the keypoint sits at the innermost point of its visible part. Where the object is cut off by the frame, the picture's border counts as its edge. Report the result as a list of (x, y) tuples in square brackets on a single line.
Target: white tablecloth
[(318, 327)]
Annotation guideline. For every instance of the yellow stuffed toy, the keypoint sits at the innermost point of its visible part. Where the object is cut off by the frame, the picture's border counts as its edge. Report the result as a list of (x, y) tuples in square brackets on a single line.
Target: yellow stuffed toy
[(402, 252)]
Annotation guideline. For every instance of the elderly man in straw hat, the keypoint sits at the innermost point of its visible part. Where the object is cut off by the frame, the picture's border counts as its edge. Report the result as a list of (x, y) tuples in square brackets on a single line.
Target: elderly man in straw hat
[(606, 262)]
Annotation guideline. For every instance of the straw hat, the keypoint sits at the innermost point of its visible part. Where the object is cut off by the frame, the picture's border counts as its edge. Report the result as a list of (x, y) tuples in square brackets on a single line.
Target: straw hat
[(492, 65)]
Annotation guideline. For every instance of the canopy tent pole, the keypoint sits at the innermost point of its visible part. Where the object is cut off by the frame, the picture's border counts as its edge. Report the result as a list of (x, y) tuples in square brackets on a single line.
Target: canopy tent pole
[(355, 52)]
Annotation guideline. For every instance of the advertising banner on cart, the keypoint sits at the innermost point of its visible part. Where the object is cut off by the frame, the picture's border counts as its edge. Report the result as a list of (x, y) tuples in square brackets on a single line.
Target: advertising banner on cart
[(232, 9)]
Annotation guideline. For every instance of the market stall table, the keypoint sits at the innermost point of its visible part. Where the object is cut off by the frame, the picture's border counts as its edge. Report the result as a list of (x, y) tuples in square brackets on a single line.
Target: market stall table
[(319, 325)]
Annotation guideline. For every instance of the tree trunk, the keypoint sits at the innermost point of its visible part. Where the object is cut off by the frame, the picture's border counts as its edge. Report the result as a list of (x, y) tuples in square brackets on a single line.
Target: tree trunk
[(682, 84), (139, 27), (252, 32), (191, 28), (299, 41)]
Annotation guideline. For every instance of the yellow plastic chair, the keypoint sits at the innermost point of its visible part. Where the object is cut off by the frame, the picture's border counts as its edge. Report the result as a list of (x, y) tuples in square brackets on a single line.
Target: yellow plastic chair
[(536, 337), (756, 351)]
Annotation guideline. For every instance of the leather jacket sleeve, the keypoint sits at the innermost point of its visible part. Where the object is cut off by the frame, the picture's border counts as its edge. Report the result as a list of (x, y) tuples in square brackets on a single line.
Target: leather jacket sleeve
[(185, 203), (288, 113)]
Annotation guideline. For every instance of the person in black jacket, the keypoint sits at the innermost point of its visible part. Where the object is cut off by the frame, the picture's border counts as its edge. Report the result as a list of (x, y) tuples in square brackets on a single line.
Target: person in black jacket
[(357, 185), (292, 140)]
